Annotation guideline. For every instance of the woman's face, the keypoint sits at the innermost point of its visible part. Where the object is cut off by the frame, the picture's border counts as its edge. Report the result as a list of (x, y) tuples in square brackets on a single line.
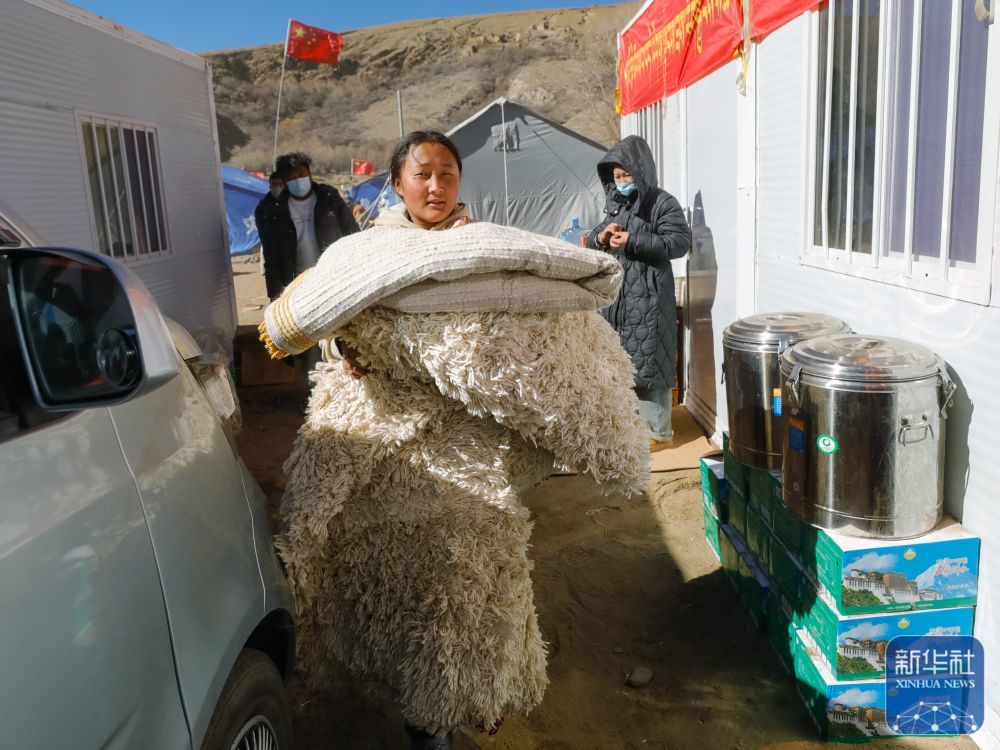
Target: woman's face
[(428, 184)]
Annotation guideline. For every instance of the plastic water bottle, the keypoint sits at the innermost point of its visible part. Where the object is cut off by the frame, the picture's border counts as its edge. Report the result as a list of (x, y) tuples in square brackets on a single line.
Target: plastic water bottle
[(574, 234)]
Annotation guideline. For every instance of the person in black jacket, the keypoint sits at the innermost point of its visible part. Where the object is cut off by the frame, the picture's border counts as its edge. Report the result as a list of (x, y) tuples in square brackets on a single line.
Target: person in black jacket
[(275, 187), (644, 228), (305, 219)]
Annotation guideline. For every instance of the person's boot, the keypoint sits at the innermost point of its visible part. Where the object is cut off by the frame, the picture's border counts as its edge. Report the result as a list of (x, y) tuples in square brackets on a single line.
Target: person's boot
[(656, 445), (421, 740)]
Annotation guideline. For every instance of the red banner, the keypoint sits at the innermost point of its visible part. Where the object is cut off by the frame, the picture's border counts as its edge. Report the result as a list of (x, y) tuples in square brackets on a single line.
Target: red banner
[(673, 44), (362, 167), (313, 43), (769, 15)]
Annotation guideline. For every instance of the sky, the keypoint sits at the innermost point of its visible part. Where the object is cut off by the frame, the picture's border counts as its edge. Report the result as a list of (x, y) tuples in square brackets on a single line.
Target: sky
[(207, 25)]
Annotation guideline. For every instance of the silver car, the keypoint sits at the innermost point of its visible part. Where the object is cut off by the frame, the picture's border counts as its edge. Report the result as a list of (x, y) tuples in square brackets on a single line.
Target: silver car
[(141, 601)]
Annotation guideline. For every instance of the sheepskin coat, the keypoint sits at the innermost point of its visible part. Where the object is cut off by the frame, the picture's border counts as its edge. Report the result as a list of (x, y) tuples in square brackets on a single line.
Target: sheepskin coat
[(404, 539)]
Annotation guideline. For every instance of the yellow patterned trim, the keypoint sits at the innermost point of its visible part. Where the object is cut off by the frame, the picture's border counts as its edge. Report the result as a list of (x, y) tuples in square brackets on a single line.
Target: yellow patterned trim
[(265, 339), (288, 329)]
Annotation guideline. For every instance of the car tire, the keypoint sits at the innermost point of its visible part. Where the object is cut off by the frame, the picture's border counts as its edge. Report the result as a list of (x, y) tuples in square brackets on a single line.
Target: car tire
[(253, 710)]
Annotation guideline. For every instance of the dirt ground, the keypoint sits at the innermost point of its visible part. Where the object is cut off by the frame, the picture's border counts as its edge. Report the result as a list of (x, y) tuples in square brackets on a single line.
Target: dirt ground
[(619, 583)]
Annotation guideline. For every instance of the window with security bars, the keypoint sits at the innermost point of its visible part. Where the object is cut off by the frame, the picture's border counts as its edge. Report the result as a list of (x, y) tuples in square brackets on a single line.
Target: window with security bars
[(123, 179), (899, 190)]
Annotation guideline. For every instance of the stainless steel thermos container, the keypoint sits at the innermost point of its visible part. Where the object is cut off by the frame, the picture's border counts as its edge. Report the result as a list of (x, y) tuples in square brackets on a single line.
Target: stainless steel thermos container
[(865, 421), (752, 349)]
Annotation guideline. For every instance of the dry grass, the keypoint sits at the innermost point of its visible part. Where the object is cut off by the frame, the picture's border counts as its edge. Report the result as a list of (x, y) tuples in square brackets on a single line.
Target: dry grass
[(560, 63)]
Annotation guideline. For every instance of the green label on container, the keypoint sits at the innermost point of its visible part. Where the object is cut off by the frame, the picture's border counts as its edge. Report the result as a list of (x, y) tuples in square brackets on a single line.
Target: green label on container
[(827, 444)]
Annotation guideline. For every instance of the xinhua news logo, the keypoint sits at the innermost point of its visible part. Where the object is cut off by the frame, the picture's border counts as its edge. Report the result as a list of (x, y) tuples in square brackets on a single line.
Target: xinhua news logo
[(934, 684)]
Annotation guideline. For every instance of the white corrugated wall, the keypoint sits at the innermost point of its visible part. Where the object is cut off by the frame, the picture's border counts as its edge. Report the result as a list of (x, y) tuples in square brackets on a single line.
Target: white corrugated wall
[(965, 334), (55, 64)]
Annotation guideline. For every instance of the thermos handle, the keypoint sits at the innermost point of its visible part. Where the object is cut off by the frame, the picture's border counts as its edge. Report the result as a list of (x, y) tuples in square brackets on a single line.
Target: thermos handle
[(723, 378), (793, 381), (948, 388), (906, 428)]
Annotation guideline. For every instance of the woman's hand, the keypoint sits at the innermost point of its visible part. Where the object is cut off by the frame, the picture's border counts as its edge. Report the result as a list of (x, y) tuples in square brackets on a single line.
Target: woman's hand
[(619, 239), (610, 229), (350, 360)]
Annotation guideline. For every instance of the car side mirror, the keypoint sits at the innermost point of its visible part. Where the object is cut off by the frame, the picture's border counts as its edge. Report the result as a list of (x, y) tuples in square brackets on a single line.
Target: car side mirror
[(88, 329)]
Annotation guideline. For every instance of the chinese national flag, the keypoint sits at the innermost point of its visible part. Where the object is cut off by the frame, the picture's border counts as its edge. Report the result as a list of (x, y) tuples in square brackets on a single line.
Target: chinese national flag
[(313, 43), (362, 167)]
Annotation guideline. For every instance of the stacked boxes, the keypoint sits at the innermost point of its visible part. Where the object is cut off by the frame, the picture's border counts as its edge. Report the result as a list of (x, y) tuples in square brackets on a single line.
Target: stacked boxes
[(842, 711), (714, 487), (758, 537), (829, 604), (781, 626), (714, 493), (853, 647), (712, 531), (937, 570), (764, 488)]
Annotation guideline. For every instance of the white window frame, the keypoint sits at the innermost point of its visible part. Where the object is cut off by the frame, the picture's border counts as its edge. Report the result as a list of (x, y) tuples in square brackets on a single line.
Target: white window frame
[(936, 276), (159, 207)]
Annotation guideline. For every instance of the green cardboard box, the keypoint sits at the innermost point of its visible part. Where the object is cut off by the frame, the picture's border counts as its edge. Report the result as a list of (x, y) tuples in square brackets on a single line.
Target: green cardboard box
[(798, 536), (738, 506), (764, 486), (714, 487), (781, 627), (736, 472), (785, 570), (758, 538), (712, 530), (842, 711), (854, 647), (753, 590), (731, 546), (935, 571)]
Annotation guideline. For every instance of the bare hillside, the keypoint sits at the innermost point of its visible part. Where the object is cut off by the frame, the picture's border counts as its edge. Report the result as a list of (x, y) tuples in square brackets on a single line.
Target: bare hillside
[(560, 63)]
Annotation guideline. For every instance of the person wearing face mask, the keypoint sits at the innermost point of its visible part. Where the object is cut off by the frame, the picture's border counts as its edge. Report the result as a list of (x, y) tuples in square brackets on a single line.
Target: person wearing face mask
[(304, 219), (644, 228)]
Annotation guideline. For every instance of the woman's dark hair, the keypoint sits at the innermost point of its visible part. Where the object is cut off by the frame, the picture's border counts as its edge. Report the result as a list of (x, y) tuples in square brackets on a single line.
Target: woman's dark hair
[(415, 138), (288, 162)]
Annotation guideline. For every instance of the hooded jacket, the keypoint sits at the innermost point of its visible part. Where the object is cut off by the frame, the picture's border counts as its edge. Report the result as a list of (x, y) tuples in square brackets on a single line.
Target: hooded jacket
[(644, 314)]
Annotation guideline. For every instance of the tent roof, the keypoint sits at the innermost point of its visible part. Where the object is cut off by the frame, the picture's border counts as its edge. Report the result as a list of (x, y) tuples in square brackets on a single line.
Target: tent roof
[(505, 101), (234, 177), (522, 169)]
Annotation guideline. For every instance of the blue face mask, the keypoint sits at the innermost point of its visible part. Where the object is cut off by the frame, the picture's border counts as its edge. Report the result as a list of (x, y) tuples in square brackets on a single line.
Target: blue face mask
[(300, 187), (276, 191), (626, 188)]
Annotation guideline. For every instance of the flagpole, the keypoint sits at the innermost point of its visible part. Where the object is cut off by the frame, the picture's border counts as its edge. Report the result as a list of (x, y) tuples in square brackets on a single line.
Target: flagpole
[(399, 108), (506, 191), (281, 81)]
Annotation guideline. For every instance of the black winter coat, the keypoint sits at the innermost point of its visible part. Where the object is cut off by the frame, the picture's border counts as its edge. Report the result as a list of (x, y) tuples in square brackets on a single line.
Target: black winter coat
[(278, 241), (645, 313)]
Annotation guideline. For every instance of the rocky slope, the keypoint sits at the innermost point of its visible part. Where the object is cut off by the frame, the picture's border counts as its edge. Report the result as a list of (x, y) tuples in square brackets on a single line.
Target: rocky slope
[(561, 63)]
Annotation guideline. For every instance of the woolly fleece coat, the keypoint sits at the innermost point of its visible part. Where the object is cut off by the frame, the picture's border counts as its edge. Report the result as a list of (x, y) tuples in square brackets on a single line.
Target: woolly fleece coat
[(645, 313), (405, 541)]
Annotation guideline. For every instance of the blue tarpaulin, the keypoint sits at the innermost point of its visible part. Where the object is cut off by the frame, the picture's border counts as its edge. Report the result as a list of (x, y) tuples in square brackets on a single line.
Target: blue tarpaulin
[(374, 191), (243, 192)]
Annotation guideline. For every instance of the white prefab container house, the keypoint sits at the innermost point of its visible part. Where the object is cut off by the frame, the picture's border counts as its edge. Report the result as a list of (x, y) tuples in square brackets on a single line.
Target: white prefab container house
[(857, 175), (108, 142)]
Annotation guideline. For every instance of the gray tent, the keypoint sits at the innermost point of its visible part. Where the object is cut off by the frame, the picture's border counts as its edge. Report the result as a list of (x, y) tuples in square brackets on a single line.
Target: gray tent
[(547, 172)]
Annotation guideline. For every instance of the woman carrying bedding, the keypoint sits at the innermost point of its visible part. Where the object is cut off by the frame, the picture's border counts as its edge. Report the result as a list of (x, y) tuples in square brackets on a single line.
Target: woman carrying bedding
[(484, 363)]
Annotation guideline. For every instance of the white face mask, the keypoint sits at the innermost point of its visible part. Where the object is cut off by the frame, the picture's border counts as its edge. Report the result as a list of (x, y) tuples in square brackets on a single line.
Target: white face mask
[(299, 187), (276, 191)]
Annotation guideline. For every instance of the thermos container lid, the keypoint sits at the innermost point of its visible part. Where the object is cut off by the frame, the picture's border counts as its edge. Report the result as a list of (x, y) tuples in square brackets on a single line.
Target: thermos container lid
[(863, 358), (782, 329)]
